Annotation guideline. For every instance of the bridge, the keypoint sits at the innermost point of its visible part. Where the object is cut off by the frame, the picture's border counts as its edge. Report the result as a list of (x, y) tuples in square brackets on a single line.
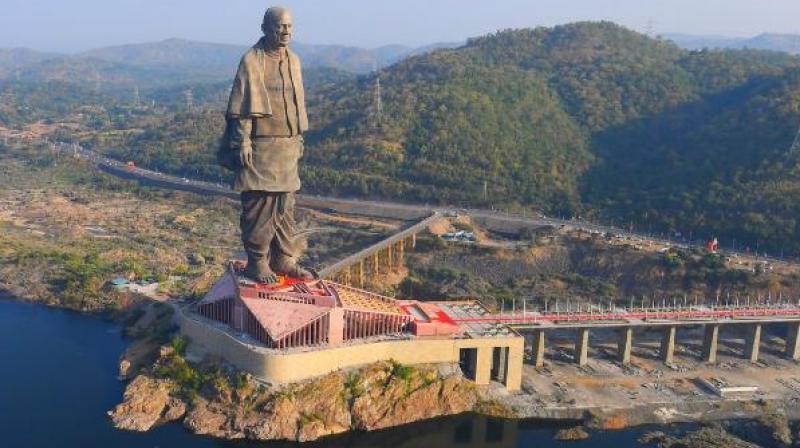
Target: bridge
[(667, 319), (379, 258)]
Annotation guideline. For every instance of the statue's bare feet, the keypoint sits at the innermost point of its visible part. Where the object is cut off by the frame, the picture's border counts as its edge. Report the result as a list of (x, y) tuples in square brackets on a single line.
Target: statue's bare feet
[(258, 270), (289, 267)]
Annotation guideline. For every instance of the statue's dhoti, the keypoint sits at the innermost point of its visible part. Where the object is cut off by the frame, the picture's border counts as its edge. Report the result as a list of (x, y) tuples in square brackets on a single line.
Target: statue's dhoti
[(274, 167), (267, 192), (268, 226)]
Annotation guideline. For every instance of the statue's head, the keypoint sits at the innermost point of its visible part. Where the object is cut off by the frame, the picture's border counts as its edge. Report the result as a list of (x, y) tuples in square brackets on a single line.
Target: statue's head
[(278, 26)]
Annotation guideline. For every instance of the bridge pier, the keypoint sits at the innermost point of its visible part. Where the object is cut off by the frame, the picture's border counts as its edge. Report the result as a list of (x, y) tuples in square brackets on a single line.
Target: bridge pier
[(625, 345), (752, 343), (793, 341), (389, 252), (668, 345), (582, 347), (538, 348), (710, 343)]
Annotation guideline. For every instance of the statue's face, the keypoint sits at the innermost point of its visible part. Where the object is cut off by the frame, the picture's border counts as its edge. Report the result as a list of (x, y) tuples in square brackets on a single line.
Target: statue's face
[(280, 30)]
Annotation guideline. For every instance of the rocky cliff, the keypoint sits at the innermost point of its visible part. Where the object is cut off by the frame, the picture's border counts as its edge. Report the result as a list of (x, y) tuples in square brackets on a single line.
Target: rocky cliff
[(232, 405)]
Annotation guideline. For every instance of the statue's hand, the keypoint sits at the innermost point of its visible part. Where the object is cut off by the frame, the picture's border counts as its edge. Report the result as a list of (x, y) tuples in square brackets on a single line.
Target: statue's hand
[(246, 156)]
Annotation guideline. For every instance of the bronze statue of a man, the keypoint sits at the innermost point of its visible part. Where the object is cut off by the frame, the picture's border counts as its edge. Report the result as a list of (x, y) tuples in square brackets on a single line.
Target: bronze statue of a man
[(266, 119)]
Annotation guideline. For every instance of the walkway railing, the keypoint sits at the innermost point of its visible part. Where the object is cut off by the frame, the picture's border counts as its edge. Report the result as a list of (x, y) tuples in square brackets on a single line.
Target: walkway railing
[(777, 311)]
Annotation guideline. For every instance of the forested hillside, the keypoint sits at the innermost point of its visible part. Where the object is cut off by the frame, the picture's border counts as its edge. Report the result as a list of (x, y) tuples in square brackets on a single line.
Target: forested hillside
[(586, 119)]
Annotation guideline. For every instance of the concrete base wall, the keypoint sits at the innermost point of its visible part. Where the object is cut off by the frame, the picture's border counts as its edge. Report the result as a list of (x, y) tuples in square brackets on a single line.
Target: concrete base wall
[(276, 367)]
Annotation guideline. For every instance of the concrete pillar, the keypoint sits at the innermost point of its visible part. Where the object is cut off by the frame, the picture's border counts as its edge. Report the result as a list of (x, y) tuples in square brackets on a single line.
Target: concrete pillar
[(238, 315), (514, 366), (793, 341), (361, 273), (582, 347), (538, 348), (375, 264), (710, 342), (483, 365), (389, 257), (668, 345), (414, 241), (336, 326), (500, 364), (625, 345), (752, 343)]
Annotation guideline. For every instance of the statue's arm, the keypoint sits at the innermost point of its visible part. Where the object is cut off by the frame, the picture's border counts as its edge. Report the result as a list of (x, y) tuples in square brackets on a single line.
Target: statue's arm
[(242, 140)]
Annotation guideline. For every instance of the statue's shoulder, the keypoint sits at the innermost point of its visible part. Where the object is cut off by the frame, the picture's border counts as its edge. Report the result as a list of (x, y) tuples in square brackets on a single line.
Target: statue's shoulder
[(250, 56), (293, 55)]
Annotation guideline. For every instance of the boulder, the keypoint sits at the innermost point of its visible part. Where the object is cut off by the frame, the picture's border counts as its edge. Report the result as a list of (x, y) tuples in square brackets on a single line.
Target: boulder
[(176, 410), (572, 434), (124, 368), (144, 403)]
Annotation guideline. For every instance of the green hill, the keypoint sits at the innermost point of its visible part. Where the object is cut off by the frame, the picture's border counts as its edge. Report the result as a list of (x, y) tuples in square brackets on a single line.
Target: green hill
[(587, 118)]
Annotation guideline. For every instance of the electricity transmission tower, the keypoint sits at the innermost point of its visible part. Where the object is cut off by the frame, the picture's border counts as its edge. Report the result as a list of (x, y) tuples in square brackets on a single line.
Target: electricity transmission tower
[(650, 28), (796, 144), (189, 99), (377, 100)]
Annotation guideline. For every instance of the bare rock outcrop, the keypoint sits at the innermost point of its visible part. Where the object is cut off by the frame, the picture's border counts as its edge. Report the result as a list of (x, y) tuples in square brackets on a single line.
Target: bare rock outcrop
[(235, 407), (712, 437), (394, 395), (144, 404), (175, 410), (572, 434), (300, 412)]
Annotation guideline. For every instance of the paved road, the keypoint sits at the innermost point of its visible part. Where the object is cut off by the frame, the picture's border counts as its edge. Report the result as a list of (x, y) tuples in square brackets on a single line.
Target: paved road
[(492, 219)]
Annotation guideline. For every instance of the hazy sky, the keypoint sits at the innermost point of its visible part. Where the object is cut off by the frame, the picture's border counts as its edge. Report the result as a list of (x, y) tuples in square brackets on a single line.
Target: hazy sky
[(73, 25)]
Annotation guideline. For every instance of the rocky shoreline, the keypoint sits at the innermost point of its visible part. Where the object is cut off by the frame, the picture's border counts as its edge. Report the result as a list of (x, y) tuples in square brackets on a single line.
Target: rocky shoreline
[(227, 404), (223, 403)]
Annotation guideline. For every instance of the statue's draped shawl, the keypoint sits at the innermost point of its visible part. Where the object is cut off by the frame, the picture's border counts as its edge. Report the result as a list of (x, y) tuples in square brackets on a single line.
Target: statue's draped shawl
[(249, 97)]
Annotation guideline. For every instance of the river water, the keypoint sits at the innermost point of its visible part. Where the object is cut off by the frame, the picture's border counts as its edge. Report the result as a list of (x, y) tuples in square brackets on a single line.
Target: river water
[(58, 379)]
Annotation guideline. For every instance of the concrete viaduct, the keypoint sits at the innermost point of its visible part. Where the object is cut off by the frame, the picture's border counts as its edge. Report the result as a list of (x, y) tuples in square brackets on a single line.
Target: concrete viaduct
[(668, 320), (379, 258)]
